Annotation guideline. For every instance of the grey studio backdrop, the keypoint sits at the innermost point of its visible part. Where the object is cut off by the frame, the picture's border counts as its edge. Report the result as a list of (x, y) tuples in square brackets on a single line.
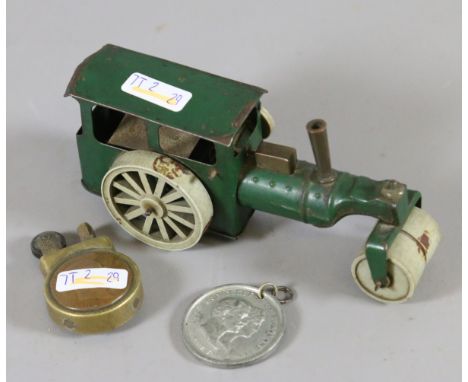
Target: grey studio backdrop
[(384, 74)]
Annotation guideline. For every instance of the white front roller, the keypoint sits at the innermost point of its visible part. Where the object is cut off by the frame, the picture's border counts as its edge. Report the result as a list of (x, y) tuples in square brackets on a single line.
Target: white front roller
[(407, 257), (157, 200)]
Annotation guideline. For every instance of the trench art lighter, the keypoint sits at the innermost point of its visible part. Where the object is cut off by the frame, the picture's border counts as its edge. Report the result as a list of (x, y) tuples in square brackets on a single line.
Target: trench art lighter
[(89, 287), (236, 325), (175, 151)]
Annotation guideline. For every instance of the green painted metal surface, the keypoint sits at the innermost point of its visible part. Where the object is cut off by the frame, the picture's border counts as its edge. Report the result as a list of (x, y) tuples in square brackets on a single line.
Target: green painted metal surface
[(382, 236), (95, 157), (216, 110), (230, 217), (238, 187), (298, 196)]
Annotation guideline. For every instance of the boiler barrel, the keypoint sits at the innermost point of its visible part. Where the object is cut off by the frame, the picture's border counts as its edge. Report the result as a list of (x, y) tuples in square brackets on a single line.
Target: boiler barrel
[(300, 196), (285, 195)]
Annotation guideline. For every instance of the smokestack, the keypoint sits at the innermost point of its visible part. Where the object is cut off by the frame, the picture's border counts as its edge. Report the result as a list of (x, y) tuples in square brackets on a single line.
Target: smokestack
[(317, 130)]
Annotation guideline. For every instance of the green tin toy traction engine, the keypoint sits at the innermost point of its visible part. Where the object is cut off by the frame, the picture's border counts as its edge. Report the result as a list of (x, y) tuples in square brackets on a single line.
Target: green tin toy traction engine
[(175, 151)]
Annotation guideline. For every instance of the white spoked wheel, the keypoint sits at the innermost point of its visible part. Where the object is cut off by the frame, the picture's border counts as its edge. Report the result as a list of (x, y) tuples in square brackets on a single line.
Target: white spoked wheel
[(407, 258), (267, 121), (157, 200)]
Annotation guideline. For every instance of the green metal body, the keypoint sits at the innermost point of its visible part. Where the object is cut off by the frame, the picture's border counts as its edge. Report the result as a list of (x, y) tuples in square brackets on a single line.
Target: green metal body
[(215, 112), (229, 218), (218, 113), (300, 196)]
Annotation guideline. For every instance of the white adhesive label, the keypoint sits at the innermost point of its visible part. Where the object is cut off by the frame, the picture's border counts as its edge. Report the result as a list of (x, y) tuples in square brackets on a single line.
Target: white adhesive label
[(157, 92), (91, 278)]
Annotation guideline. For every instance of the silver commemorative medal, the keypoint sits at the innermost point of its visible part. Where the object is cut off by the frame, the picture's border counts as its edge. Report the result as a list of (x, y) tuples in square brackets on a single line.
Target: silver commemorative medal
[(236, 325)]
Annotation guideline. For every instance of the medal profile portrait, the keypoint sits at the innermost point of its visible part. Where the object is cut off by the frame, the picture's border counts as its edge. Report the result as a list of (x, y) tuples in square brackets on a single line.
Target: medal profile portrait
[(231, 319)]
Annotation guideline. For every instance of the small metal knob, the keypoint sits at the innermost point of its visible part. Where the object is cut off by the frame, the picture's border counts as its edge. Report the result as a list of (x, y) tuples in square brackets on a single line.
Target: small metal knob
[(46, 242)]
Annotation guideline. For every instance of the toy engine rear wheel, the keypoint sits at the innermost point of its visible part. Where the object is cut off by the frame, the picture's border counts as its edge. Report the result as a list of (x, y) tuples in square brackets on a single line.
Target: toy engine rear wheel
[(407, 258), (267, 121), (157, 200)]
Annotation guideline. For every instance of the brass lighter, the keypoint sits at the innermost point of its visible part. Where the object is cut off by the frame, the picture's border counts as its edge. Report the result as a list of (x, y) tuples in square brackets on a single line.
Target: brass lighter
[(89, 287)]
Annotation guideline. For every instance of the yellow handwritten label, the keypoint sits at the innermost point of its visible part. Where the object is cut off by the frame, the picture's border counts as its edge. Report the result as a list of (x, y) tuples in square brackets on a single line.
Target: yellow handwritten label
[(156, 92), (86, 278)]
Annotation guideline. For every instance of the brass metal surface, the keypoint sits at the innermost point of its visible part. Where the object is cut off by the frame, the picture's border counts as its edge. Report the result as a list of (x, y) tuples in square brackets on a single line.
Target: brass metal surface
[(276, 157), (89, 310), (90, 299), (131, 133), (177, 142), (317, 130)]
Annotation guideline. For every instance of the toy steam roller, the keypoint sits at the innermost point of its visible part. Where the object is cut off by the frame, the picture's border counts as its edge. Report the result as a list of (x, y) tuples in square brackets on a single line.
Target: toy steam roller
[(175, 151)]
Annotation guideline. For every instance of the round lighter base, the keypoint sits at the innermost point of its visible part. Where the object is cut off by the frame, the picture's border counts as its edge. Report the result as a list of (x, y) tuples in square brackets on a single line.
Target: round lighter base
[(93, 309)]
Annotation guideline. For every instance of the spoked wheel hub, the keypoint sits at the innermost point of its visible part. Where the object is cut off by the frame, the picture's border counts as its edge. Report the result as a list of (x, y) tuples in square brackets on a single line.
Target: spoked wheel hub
[(152, 205)]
